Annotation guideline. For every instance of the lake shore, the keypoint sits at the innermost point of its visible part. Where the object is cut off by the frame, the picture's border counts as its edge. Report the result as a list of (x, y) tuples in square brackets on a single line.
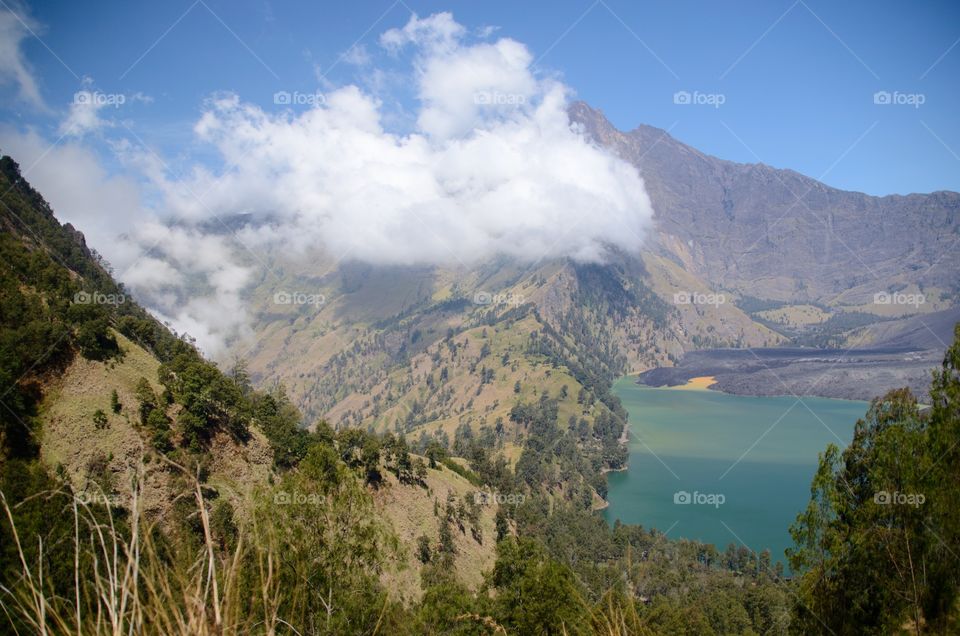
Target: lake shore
[(855, 374), (693, 440)]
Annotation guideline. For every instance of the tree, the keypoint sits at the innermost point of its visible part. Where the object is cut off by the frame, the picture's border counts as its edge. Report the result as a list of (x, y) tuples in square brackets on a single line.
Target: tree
[(99, 419), (535, 594), (333, 547), (501, 524), (423, 549), (435, 453), (240, 375), (95, 340), (159, 428), (447, 547), (115, 405), (370, 460), (872, 546), (146, 399)]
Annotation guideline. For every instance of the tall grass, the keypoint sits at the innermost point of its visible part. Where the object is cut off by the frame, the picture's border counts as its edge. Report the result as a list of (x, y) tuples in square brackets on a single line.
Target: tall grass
[(128, 582), (129, 578)]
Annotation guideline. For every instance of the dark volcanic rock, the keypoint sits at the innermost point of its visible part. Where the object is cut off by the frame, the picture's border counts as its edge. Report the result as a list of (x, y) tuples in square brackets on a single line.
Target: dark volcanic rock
[(903, 355)]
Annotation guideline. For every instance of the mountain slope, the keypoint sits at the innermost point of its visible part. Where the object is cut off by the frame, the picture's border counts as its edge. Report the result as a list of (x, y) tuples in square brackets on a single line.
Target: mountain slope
[(112, 407), (397, 348), (780, 235), (784, 271)]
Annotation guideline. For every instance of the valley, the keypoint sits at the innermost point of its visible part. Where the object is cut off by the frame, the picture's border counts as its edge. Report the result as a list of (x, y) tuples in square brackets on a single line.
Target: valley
[(767, 322), (408, 338)]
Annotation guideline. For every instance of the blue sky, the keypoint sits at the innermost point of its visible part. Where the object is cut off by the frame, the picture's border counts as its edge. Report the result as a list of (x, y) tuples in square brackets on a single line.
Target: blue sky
[(797, 80)]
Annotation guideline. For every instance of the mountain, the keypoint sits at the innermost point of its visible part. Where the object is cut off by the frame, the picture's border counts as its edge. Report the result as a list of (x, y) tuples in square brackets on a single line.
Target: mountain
[(782, 236), (144, 490), (103, 403), (472, 429), (805, 272)]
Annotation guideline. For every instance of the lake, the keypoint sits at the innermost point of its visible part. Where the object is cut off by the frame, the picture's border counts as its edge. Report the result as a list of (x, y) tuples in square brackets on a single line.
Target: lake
[(739, 467)]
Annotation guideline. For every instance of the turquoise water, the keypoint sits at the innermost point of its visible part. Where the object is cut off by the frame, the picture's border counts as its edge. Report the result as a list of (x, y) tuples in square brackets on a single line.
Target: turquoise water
[(750, 460)]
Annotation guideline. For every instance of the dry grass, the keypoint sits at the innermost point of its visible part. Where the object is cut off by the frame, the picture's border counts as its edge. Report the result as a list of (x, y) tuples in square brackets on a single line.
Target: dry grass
[(133, 587), (136, 589)]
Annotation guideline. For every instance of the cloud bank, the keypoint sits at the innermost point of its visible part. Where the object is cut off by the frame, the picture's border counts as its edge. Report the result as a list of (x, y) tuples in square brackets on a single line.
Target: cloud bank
[(489, 165), (493, 167)]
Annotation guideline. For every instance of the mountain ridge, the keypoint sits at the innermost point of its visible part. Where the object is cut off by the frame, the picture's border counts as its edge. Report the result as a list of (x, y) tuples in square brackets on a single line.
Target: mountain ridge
[(712, 205)]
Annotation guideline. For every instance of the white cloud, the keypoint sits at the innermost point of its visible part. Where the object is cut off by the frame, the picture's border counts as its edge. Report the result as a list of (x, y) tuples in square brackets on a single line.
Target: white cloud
[(81, 191), (14, 29), (84, 114), (357, 55), (486, 31), (438, 32), (495, 168), (82, 117), (492, 167)]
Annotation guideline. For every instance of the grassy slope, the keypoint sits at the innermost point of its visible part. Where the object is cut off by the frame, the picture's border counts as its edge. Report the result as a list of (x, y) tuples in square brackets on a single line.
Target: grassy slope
[(71, 439), (795, 315), (410, 511), (718, 325)]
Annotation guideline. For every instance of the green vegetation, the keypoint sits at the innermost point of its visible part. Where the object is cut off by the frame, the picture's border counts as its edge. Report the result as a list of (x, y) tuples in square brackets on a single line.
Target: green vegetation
[(877, 545)]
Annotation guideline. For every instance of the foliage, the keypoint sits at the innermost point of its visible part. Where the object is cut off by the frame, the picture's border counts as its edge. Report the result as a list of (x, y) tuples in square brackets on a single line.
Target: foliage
[(876, 546)]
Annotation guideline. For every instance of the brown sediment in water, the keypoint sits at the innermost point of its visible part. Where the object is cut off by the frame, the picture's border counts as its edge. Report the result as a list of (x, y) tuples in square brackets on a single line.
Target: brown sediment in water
[(701, 383)]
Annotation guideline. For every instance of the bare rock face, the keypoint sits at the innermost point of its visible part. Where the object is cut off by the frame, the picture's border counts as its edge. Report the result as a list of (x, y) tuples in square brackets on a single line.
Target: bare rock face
[(780, 235), (76, 235)]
